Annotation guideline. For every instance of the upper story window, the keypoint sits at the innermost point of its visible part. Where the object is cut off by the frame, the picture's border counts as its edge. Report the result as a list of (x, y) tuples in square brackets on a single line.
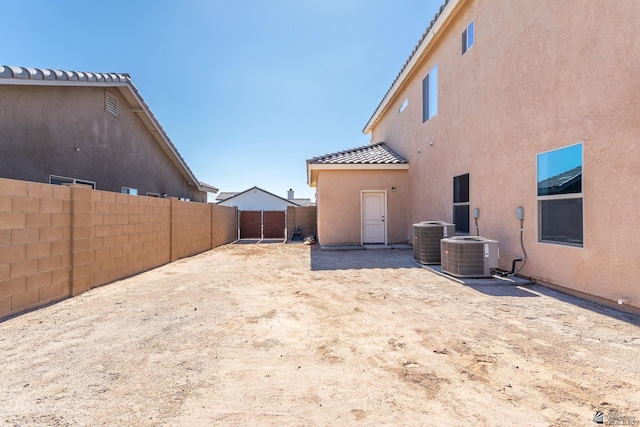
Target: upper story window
[(468, 37), (430, 94), (560, 210), (404, 105)]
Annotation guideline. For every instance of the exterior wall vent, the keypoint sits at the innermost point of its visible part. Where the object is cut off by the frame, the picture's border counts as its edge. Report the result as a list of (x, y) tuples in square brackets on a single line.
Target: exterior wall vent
[(426, 240), (111, 103), (469, 256)]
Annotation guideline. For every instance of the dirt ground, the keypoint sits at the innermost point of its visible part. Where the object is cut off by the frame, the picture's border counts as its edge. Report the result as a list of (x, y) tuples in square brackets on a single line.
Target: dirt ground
[(288, 335)]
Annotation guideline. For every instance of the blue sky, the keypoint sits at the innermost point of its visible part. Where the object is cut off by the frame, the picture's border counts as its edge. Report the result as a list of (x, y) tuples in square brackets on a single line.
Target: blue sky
[(247, 90)]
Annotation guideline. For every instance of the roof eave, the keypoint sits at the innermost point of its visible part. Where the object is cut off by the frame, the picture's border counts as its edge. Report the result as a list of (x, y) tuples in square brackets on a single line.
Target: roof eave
[(122, 81), (314, 168), (418, 55)]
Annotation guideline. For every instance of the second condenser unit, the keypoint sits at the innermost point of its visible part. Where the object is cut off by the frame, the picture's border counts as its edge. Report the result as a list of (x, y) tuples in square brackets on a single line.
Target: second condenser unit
[(469, 256), (426, 240)]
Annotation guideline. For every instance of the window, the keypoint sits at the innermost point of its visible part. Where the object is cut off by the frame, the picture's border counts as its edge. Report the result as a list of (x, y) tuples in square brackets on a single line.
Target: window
[(560, 210), (468, 37), (111, 103), (404, 105), (129, 190), (61, 180), (430, 95), (461, 203)]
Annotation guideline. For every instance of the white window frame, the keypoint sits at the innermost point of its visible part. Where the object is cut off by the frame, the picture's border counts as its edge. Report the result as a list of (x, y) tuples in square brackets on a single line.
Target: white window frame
[(468, 37), (68, 180), (430, 94), (129, 190), (404, 105), (568, 196)]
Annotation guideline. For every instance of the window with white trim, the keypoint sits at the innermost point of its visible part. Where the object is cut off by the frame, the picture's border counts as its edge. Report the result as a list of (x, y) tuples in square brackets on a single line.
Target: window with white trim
[(61, 180), (129, 190), (404, 105), (468, 38), (430, 94), (560, 200)]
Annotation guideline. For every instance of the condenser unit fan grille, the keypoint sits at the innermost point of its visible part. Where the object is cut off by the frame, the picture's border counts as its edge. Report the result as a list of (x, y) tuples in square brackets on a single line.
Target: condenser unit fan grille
[(426, 240), (469, 256)]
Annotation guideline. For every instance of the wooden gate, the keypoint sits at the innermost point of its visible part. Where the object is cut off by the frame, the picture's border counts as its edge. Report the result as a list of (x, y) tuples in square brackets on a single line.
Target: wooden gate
[(250, 224), (262, 224), (273, 225)]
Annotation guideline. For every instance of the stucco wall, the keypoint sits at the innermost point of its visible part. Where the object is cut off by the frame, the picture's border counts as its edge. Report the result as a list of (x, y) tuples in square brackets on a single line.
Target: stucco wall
[(541, 75), (338, 195), (66, 131)]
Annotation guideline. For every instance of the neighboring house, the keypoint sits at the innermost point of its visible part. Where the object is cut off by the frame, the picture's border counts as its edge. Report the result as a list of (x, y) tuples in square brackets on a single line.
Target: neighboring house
[(255, 199), (504, 105), (262, 215), (92, 128)]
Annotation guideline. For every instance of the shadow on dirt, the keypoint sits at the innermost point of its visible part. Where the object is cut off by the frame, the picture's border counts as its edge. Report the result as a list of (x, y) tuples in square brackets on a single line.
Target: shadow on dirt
[(360, 259)]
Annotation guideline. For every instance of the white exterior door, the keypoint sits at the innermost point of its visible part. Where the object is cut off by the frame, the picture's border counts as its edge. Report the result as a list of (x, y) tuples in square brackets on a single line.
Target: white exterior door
[(374, 210)]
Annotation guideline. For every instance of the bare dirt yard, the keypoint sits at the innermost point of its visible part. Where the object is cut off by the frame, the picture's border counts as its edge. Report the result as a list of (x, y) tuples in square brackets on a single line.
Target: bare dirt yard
[(288, 335)]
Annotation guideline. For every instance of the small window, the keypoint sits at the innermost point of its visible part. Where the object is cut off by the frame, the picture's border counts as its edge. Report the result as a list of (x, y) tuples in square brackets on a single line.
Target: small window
[(111, 103), (404, 105), (461, 203), (468, 37), (560, 202), (61, 180), (129, 190), (430, 95)]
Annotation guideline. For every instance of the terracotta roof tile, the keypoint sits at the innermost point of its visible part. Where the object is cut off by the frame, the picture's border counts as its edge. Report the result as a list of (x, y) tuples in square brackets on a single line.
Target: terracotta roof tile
[(369, 154)]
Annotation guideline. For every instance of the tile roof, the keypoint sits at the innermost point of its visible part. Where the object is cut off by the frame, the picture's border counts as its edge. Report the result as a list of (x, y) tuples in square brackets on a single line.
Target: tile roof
[(41, 76), (557, 182), (301, 202), (224, 195), (408, 61), (369, 154), (60, 75)]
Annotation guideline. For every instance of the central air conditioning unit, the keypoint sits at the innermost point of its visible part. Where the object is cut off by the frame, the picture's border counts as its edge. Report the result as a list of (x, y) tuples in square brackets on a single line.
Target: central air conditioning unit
[(426, 240), (469, 256)]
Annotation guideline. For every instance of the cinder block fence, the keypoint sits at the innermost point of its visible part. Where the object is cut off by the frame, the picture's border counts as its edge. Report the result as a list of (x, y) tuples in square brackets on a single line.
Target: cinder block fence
[(59, 241)]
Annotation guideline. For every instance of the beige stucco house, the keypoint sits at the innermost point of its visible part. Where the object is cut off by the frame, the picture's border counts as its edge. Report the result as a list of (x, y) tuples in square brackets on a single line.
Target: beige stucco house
[(61, 127), (505, 105)]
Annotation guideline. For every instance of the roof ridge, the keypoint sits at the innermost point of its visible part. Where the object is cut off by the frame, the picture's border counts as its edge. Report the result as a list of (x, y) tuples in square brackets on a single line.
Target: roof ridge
[(383, 155), (28, 73), (415, 50)]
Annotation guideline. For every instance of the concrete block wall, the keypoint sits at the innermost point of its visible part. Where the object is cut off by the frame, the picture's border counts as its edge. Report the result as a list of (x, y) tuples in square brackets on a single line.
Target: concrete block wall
[(35, 245), (190, 228), (224, 224), (59, 241), (130, 234), (304, 217)]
